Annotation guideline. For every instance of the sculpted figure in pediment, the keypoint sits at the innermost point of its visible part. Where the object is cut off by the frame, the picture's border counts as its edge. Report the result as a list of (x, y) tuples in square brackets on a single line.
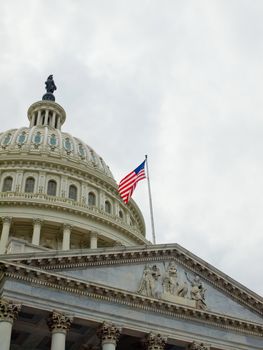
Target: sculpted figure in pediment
[(149, 282), (197, 291), (170, 279)]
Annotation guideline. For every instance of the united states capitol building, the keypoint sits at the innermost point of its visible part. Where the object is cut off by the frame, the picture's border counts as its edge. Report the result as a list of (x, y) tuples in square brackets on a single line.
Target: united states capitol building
[(76, 269)]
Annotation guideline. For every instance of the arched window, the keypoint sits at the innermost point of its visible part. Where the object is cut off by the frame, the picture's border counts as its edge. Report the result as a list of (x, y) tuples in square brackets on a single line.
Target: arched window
[(30, 185), (108, 207), (121, 214), (91, 199), (7, 186), (52, 188), (72, 193)]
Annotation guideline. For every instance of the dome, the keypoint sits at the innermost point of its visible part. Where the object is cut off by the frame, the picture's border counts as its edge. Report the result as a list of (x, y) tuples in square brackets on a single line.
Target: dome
[(56, 192), (45, 139)]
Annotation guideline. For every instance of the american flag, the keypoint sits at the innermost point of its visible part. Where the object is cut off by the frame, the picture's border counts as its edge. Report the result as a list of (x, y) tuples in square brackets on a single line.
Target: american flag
[(128, 183)]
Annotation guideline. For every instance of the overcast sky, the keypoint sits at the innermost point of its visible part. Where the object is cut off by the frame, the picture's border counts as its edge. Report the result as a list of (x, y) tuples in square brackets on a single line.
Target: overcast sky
[(181, 81)]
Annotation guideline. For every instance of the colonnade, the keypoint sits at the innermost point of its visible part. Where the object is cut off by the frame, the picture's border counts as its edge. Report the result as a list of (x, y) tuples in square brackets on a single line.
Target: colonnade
[(37, 224), (59, 324)]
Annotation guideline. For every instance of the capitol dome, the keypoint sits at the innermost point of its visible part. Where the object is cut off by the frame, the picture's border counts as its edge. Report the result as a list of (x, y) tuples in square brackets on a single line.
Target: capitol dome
[(57, 192)]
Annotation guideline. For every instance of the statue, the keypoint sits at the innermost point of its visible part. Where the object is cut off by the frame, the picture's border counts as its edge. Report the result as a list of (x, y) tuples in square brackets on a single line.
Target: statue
[(50, 87), (148, 285), (170, 279), (197, 291), (50, 84)]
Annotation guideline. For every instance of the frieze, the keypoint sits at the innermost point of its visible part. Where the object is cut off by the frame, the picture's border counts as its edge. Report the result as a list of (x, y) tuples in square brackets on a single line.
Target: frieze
[(100, 292), (168, 286)]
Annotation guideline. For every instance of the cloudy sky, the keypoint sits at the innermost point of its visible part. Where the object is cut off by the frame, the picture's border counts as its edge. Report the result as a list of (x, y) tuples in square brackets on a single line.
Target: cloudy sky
[(181, 81)]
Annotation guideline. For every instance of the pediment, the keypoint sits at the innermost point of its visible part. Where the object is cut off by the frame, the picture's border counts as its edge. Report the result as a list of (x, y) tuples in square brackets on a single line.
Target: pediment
[(166, 277)]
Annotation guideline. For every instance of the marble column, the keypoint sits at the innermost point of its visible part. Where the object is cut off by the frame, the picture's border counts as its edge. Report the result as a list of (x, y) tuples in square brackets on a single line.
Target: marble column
[(53, 120), (59, 324), (8, 314), (37, 223), (198, 346), (109, 335), (93, 240), (66, 237), (5, 233), (155, 341)]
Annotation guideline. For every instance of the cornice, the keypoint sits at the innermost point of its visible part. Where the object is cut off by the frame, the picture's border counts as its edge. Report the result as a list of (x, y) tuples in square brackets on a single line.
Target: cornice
[(100, 292), (41, 200), (153, 253)]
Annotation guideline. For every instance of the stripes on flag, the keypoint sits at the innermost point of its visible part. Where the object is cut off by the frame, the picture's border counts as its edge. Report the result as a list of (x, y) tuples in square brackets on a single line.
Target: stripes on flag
[(128, 183)]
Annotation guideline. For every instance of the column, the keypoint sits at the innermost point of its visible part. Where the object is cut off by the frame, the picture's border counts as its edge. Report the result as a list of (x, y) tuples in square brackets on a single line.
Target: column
[(66, 237), (5, 233), (46, 117), (38, 117), (53, 120), (59, 324), (93, 240), (198, 346), (37, 223), (58, 123), (155, 341), (8, 313), (109, 335)]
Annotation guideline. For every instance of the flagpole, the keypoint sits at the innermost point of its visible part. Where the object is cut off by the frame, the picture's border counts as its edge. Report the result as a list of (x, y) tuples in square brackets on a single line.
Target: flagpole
[(150, 200)]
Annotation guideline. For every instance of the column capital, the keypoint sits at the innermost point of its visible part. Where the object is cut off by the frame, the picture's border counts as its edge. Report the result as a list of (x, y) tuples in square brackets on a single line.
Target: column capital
[(67, 227), (198, 346), (37, 221), (59, 322), (108, 333), (8, 310), (155, 341), (94, 233), (6, 219)]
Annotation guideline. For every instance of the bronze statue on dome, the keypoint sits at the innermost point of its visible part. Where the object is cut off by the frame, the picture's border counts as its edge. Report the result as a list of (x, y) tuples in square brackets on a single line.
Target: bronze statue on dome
[(50, 88)]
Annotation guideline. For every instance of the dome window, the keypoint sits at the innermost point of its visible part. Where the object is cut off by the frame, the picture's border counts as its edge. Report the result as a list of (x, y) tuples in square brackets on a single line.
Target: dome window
[(53, 141), (81, 151), (121, 214), (37, 138), (72, 194), (67, 145), (21, 139), (52, 188), (6, 140), (91, 199), (8, 182), (30, 185), (107, 207)]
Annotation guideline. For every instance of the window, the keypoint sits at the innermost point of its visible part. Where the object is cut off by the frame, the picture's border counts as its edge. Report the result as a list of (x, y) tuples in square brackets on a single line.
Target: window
[(121, 214), (30, 185), (7, 186), (51, 188), (72, 194), (91, 199), (107, 207)]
